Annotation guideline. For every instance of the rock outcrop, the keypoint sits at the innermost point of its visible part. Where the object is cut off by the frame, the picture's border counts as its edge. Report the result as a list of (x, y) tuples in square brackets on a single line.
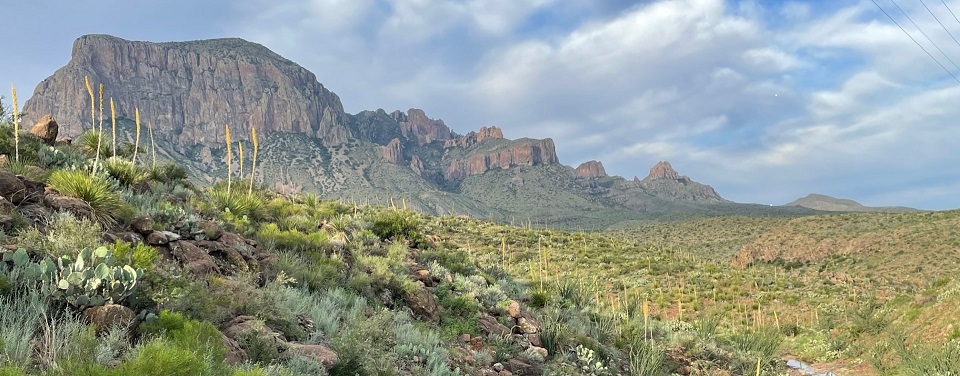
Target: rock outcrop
[(416, 125), (664, 181), (472, 138), (189, 90), (393, 152), (590, 170), (523, 152)]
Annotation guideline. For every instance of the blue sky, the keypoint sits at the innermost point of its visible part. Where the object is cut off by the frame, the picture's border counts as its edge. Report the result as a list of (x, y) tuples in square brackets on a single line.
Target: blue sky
[(765, 100)]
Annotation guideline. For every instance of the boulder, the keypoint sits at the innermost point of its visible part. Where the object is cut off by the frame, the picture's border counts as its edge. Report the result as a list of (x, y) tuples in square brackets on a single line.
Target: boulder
[(528, 324), (423, 303), (514, 309), (490, 325), (210, 229), (157, 238), (103, 318), (235, 355), (519, 367), (194, 259), (319, 353), (75, 206), (46, 129), (12, 188), (142, 224)]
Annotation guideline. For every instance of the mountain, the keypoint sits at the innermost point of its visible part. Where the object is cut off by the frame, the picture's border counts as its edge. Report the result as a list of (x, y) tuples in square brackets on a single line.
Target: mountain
[(827, 203), (188, 91)]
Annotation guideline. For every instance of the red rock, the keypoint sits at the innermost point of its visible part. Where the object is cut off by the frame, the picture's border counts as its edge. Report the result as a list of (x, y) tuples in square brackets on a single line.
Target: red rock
[(103, 318), (590, 170), (472, 138), (663, 170), (416, 125), (319, 353), (393, 152), (524, 152)]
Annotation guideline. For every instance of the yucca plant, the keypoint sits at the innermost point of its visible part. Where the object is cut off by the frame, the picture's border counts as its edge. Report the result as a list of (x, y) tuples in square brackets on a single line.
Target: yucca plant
[(16, 123), (240, 151), (237, 204), (89, 141), (126, 172), (92, 189)]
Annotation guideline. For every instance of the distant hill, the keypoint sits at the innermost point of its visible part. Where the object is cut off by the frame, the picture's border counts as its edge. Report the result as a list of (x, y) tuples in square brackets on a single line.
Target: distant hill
[(827, 203)]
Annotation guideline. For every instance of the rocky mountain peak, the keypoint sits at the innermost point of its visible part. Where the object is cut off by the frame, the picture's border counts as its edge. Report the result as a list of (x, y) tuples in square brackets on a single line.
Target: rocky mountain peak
[(393, 152), (472, 138), (663, 170), (189, 90), (416, 125), (590, 170)]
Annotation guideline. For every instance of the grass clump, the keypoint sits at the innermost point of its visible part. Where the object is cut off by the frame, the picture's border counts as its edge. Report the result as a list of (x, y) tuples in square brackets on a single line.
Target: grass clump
[(126, 172), (66, 235), (92, 189)]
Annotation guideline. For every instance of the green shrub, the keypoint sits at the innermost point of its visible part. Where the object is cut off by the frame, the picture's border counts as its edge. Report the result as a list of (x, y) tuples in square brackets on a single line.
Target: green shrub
[(160, 358), (168, 172), (293, 239), (237, 202), (126, 172), (12, 371), (553, 331), (94, 190), (171, 329), (316, 273), (137, 256), (399, 224), (922, 360), (66, 236), (646, 359)]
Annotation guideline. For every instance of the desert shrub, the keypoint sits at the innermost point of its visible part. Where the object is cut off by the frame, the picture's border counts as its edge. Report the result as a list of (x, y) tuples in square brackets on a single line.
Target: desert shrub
[(413, 341), (19, 320), (314, 271), (66, 236), (921, 360), (553, 331), (456, 261), (237, 202), (164, 203), (90, 140), (293, 239), (299, 365), (399, 224), (161, 358), (367, 345), (869, 317), (137, 256), (124, 171), (94, 190), (646, 359), (12, 371), (174, 330), (168, 172)]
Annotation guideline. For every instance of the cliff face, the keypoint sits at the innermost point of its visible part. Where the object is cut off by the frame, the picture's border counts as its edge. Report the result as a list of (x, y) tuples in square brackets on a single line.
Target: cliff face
[(590, 170), (472, 138), (523, 152), (189, 90), (416, 125)]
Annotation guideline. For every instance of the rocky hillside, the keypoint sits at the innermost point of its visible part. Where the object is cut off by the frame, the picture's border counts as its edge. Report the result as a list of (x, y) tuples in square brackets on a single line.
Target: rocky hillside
[(827, 203), (189, 90)]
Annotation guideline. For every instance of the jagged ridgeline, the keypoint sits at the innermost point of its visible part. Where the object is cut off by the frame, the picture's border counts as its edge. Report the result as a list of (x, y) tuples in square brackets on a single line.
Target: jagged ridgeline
[(189, 90)]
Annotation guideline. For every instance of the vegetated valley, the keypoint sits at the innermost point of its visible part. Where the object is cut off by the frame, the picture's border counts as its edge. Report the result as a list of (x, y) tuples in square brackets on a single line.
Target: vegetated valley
[(115, 261)]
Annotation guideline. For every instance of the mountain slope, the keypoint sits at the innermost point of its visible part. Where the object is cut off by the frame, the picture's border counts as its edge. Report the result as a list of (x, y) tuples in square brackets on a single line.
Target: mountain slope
[(188, 91), (827, 203)]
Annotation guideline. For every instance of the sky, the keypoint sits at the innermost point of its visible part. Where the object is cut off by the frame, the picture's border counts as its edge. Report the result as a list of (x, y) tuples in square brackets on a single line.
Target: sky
[(766, 101)]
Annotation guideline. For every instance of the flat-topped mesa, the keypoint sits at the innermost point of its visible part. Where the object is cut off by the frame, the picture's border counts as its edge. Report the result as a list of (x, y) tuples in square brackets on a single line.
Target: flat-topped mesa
[(590, 170), (663, 180), (522, 152), (473, 138), (189, 90), (417, 126)]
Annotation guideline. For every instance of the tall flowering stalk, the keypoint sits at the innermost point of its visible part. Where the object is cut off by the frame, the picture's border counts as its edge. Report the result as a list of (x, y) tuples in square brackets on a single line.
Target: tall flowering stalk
[(16, 124), (136, 142), (96, 160), (113, 120), (240, 149), (253, 170), (153, 146), (93, 122), (226, 129)]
